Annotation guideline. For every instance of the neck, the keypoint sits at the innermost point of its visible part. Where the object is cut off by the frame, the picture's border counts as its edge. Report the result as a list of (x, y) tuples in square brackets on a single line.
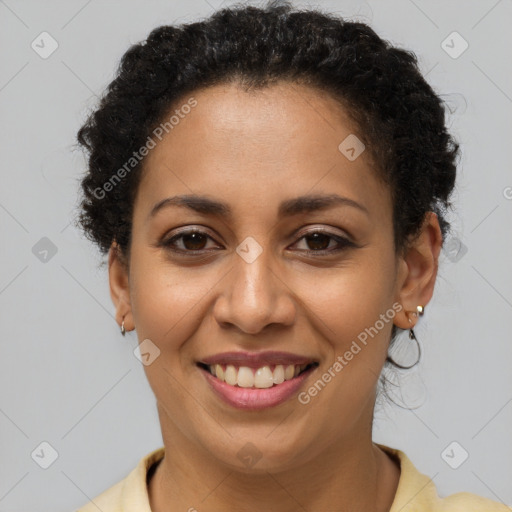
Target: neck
[(353, 474)]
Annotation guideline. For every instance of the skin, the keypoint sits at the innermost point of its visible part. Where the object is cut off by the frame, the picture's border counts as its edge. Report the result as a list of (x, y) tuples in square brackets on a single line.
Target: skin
[(254, 150)]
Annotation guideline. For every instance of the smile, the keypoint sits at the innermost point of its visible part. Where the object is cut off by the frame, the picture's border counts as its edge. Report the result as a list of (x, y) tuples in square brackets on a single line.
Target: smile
[(250, 388), (259, 378)]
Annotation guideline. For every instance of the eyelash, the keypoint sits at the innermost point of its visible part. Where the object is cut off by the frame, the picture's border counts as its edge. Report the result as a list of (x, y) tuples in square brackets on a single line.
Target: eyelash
[(343, 243)]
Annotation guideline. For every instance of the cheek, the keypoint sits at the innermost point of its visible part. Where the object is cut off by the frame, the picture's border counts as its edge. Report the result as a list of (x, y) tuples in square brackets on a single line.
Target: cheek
[(361, 305), (169, 306), (349, 300), (165, 300), (352, 316)]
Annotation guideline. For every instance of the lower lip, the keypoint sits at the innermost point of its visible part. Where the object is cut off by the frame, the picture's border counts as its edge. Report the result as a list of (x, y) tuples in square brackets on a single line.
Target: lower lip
[(253, 398)]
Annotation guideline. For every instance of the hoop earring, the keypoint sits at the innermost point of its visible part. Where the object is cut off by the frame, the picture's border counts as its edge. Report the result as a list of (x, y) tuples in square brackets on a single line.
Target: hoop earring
[(420, 310), (123, 330), (412, 336)]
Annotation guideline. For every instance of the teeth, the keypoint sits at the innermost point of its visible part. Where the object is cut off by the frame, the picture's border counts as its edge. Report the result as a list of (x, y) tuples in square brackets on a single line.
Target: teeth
[(245, 377), (230, 376), (289, 372), (278, 374), (263, 378), (260, 378), (219, 372)]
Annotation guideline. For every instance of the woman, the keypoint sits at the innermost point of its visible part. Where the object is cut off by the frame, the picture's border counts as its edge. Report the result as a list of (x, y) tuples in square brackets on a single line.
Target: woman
[(270, 186)]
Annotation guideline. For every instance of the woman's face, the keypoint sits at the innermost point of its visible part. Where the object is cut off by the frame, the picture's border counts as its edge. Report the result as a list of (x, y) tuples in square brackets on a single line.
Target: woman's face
[(259, 280)]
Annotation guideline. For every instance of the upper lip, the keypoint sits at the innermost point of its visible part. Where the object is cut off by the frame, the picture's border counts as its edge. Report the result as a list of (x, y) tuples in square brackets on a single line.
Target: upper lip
[(257, 359)]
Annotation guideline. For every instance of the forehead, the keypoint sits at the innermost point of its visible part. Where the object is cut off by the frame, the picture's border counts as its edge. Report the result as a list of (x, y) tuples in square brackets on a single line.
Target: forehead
[(304, 119), (280, 140)]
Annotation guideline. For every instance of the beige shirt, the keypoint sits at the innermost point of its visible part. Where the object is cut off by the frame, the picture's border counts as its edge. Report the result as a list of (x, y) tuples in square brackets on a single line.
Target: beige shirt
[(415, 493)]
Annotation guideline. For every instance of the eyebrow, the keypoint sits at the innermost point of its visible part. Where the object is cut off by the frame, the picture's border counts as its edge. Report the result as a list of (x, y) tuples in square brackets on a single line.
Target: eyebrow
[(303, 204)]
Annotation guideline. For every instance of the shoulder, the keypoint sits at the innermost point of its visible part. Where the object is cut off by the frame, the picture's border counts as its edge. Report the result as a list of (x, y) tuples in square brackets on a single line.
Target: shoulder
[(416, 492), (129, 494), (472, 503), (107, 501)]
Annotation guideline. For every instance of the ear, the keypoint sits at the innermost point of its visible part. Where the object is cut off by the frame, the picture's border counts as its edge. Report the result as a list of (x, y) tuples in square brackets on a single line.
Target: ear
[(418, 271), (120, 286)]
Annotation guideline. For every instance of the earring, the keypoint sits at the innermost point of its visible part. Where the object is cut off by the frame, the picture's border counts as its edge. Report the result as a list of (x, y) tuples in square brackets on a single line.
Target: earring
[(420, 310), (123, 330)]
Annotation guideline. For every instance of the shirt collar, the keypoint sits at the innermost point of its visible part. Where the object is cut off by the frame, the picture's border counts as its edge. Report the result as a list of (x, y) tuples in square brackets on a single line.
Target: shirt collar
[(414, 488)]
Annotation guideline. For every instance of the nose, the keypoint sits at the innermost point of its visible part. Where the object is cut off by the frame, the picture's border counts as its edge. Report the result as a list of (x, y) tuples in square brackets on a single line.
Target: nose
[(255, 295)]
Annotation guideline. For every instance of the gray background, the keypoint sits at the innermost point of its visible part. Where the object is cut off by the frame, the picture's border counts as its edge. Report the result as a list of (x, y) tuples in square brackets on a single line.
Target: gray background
[(67, 376)]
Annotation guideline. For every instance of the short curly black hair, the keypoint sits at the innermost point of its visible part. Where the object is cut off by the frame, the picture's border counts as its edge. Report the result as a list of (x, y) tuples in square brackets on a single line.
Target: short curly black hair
[(400, 118)]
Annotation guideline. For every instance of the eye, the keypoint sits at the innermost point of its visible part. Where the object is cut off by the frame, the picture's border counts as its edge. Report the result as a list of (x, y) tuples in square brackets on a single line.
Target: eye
[(320, 241), (187, 241)]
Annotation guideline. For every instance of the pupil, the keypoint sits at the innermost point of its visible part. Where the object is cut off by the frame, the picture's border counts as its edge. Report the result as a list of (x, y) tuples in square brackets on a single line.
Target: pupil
[(194, 241), (317, 241)]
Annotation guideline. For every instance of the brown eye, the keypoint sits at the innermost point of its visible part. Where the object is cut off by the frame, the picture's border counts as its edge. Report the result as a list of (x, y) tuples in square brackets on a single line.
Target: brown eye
[(194, 241), (187, 242), (318, 241)]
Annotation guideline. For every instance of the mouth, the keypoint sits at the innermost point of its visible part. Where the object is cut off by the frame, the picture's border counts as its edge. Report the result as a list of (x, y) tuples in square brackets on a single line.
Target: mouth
[(263, 377), (256, 388)]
